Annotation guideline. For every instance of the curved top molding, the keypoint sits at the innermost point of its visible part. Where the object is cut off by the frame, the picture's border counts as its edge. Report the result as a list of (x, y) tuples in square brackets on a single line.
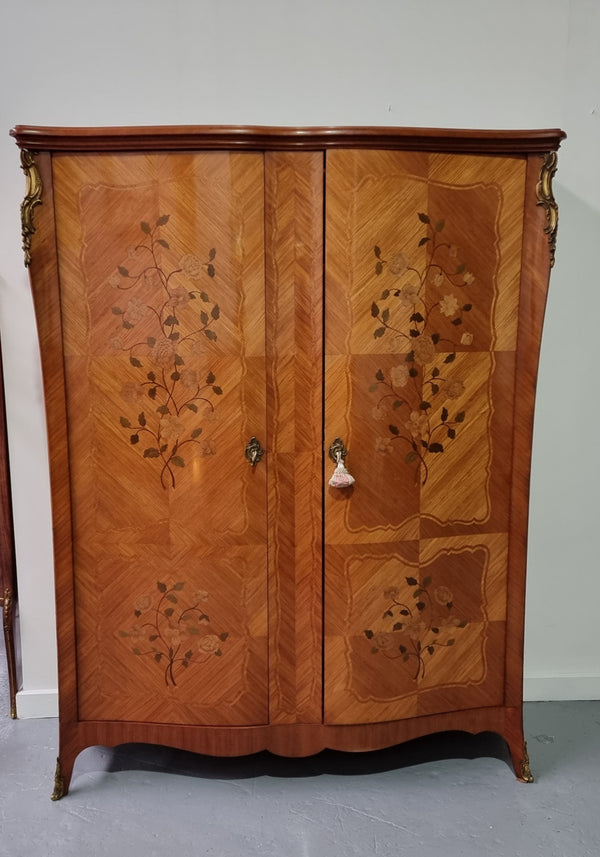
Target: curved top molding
[(123, 139)]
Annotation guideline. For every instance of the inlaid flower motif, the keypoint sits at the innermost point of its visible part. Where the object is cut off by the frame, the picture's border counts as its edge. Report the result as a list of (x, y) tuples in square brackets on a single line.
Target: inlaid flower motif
[(135, 311), (163, 352), (442, 595), (398, 264), (378, 413), (409, 295), (424, 349), (417, 424), (438, 279), (448, 305), (190, 379), (454, 389), (114, 281), (170, 630), (116, 343), (399, 375), (383, 640), (417, 623), (143, 603), (179, 296), (192, 266), (383, 444), (468, 277), (466, 338), (208, 447), (209, 643), (171, 427)]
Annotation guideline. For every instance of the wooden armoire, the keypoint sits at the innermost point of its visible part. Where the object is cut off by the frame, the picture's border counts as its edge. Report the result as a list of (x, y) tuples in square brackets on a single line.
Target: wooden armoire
[(231, 318)]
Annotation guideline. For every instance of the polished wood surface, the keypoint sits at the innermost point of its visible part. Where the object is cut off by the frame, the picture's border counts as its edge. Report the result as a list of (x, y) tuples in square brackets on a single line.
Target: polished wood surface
[(8, 579), (188, 301), (285, 138)]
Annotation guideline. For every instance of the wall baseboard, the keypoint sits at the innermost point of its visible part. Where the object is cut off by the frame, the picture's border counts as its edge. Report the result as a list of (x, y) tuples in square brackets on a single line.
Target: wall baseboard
[(552, 687), (37, 703)]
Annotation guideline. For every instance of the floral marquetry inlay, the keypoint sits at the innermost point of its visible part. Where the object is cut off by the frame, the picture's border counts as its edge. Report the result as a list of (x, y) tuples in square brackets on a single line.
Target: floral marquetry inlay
[(417, 397), (174, 395), (172, 630)]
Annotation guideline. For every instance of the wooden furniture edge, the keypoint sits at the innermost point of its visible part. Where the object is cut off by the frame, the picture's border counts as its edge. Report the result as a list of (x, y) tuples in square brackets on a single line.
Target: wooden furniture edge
[(160, 137)]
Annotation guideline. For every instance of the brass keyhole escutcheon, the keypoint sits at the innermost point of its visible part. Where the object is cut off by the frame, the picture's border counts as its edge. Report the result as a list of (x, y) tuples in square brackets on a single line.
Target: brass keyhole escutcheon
[(254, 451)]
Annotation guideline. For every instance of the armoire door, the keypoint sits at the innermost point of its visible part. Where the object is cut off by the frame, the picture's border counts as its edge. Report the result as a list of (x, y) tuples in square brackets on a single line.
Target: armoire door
[(161, 271), (423, 255)]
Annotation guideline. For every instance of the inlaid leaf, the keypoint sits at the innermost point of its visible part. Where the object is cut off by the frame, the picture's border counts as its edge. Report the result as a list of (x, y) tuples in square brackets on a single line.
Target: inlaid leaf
[(211, 254), (413, 372), (402, 649), (142, 419), (444, 416), (197, 432), (175, 376), (136, 651), (405, 612), (394, 429), (117, 310), (217, 391), (377, 251), (424, 241), (424, 218), (436, 447), (379, 375), (440, 225), (215, 312), (210, 334), (378, 332), (162, 587), (204, 297), (398, 403), (426, 582), (163, 409), (374, 310), (178, 360), (378, 268), (468, 307), (123, 271), (178, 461), (151, 376), (369, 634), (164, 218), (145, 227), (152, 392), (414, 333), (411, 457), (461, 268), (451, 433), (397, 626), (135, 362), (151, 341), (450, 358), (124, 422), (170, 320), (424, 406), (223, 636), (435, 388), (210, 270), (158, 657), (450, 642), (135, 438), (151, 452), (416, 316), (192, 407), (168, 611), (435, 372), (456, 321), (430, 649), (435, 338), (162, 243), (385, 315), (385, 294), (459, 418), (412, 581), (172, 598)]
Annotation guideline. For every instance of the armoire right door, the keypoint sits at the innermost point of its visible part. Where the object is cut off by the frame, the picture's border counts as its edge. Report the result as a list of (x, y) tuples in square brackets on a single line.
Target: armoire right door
[(423, 261)]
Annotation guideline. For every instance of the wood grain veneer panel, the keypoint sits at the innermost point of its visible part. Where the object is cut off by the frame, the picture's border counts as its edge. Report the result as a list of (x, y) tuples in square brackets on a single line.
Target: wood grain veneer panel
[(294, 253), (162, 306), (423, 278)]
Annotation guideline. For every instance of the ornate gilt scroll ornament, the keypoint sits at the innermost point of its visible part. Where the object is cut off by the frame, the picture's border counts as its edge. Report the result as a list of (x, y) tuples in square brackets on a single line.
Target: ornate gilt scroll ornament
[(59, 783), (526, 774), (546, 198), (33, 197)]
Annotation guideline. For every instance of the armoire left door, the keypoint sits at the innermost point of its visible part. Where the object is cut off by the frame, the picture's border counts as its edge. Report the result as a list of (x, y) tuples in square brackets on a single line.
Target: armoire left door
[(162, 306)]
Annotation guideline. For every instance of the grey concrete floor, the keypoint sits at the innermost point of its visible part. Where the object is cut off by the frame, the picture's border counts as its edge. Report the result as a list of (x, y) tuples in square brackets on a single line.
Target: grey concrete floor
[(443, 795)]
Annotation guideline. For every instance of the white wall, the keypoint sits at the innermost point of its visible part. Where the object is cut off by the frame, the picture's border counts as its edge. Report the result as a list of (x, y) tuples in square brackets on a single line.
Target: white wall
[(467, 63)]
